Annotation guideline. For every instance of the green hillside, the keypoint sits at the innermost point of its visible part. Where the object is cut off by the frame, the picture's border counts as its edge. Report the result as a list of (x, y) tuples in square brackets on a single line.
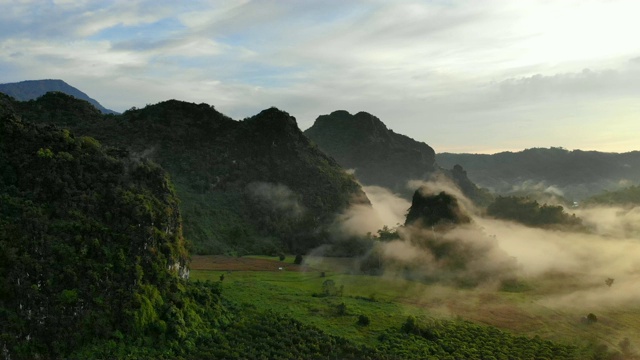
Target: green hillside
[(251, 186)]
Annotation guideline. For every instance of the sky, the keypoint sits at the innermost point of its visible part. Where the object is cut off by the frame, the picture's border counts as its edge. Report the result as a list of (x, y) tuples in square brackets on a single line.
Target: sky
[(476, 76)]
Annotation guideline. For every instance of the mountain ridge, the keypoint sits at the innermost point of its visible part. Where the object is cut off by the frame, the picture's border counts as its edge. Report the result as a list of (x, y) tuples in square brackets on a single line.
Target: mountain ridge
[(33, 89), (241, 183), (575, 174)]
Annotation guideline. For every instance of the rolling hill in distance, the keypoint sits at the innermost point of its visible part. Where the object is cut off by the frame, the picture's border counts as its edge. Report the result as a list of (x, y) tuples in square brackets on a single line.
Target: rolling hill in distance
[(575, 174)]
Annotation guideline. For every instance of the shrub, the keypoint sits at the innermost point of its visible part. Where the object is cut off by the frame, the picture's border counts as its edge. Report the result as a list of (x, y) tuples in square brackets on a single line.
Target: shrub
[(342, 309), (298, 259), (363, 320)]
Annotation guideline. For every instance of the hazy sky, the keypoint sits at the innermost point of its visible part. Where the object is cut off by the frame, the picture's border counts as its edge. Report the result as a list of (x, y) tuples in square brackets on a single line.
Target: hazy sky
[(460, 75)]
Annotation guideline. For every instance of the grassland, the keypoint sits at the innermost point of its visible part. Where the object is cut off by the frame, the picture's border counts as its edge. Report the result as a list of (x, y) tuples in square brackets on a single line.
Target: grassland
[(388, 301)]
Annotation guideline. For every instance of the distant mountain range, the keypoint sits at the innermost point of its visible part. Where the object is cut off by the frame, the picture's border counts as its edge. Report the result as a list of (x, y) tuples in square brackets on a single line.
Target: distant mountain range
[(575, 174), (33, 89)]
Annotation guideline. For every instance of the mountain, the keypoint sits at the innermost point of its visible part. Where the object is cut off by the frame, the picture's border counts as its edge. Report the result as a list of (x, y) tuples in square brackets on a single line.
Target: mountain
[(33, 89), (378, 155), (382, 157), (251, 186), (91, 242), (573, 174)]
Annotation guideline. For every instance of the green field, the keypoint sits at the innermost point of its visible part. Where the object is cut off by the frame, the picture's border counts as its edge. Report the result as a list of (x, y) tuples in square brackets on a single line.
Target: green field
[(388, 301)]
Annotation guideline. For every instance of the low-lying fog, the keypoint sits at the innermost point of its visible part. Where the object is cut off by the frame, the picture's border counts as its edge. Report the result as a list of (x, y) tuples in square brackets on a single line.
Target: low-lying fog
[(611, 248)]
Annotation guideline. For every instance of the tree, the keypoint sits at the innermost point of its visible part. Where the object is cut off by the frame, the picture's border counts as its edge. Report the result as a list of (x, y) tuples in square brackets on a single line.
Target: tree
[(329, 288)]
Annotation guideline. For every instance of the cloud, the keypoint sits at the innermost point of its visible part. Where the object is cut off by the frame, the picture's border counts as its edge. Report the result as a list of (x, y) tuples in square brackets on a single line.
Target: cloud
[(386, 209), (277, 197), (430, 69)]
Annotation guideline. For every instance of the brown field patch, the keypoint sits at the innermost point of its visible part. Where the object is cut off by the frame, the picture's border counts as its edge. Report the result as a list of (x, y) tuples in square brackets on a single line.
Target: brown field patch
[(228, 263)]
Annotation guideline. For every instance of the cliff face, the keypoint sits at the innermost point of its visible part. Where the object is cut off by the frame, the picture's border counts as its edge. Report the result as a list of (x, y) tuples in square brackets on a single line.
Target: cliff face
[(89, 239), (251, 186), (378, 155)]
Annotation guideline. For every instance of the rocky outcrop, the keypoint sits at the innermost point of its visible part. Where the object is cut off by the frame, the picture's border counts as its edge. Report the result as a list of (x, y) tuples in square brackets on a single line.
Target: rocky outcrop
[(378, 155)]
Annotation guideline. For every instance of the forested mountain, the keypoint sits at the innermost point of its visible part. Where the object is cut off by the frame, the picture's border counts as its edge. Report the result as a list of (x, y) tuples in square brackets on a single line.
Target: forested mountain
[(378, 155), (33, 89), (576, 174), (91, 242), (382, 157), (251, 186)]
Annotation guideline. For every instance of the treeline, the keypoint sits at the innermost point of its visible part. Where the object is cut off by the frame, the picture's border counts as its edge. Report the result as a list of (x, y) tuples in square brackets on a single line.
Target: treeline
[(625, 197), (530, 212)]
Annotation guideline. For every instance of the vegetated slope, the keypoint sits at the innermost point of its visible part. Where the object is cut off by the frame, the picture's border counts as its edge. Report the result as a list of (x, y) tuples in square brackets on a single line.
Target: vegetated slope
[(251, 186), (382, 157), (91, 243), (33, 89), (577, 174), (529, 212), (378, 155), (629, 196)]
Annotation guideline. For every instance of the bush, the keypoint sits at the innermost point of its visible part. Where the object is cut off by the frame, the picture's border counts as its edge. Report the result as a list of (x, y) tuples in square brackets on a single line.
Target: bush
[(281, 257), (298, 259), (342, 309), (363, 320)]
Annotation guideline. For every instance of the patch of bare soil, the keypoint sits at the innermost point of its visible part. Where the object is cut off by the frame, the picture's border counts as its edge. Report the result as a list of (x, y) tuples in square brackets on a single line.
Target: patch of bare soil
[(228, 263)]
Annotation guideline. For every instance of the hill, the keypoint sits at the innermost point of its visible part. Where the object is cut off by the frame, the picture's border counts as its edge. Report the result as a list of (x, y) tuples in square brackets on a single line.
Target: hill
[(251, 186), (626, 197), (378, 155), (91, 242), (574, 174), (382, 157), (33, 89)]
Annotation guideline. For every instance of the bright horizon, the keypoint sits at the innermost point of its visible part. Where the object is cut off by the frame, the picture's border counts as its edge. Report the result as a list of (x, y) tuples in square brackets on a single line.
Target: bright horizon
[(459, 75)]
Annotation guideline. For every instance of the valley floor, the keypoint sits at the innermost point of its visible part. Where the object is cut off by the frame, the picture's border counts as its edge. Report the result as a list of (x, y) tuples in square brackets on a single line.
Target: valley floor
[(387, 301)]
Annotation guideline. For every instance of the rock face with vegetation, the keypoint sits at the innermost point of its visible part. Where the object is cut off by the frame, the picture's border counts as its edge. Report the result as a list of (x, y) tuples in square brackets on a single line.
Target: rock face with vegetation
[(378, 155), (382, 157), (91, 243), (251, 186), (33, 89), (574, 174), (435, 209)]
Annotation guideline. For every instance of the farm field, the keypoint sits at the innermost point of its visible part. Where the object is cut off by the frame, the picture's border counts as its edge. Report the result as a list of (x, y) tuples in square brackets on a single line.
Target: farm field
[(388, 301)]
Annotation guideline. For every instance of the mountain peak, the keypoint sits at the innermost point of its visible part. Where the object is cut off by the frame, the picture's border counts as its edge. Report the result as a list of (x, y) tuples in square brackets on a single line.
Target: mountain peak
[(379, 155), (33, 89)]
